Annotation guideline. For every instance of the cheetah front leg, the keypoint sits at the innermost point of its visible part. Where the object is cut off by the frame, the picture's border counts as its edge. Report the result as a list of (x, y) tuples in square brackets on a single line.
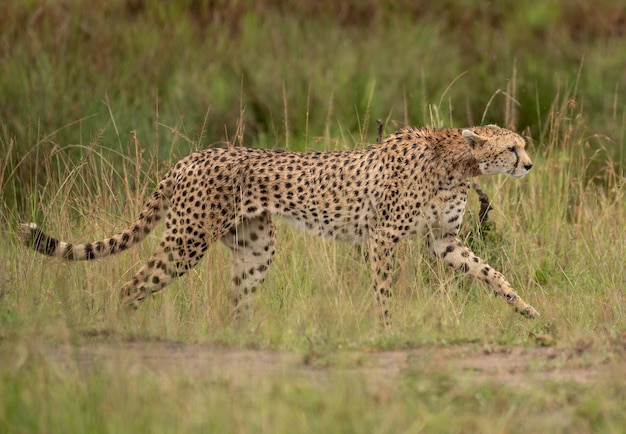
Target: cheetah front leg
[(450, 249)]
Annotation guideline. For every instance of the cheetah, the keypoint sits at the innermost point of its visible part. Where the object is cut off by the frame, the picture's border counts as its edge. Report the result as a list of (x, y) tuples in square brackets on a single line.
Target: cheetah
[(416, 180)]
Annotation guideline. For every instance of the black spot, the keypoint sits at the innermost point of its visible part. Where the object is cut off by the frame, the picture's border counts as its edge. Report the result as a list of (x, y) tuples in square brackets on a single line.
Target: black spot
[(449, 249), (384, 292)]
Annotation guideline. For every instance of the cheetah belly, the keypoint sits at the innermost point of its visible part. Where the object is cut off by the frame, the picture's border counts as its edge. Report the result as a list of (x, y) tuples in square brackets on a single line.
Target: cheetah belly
[(353, 232)]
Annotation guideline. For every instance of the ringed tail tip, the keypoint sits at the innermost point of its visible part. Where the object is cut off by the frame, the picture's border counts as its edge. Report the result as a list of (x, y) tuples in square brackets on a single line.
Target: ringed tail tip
[(28, 233), (34, 238)]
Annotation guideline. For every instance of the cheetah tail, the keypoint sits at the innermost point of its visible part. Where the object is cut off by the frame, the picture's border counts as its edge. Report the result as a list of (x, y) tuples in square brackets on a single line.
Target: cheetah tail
[(154, 210)]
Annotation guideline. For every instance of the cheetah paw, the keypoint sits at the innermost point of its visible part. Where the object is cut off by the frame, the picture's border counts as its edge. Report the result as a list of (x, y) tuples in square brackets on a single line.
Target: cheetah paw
[(529, 312)]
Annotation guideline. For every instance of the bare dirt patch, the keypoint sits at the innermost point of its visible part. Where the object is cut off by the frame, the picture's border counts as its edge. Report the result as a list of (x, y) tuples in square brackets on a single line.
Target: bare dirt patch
[(516, 366)]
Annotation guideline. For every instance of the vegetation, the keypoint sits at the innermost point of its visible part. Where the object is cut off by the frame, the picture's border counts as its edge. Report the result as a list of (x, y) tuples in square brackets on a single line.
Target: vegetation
[(76, 78)]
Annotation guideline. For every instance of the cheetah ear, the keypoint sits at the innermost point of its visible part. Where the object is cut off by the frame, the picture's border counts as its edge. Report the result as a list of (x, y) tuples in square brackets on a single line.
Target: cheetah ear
[(473, 139)]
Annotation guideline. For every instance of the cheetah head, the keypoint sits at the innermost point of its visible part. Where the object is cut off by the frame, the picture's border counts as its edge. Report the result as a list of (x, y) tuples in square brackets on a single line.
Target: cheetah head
[(498, 150)]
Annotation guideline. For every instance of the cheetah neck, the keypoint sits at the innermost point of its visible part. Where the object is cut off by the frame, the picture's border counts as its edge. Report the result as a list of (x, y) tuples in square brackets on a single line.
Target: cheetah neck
[(443, 151)]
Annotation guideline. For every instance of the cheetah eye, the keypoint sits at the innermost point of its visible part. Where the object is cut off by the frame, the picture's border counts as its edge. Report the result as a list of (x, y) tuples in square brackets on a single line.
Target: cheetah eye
[(513, 149)]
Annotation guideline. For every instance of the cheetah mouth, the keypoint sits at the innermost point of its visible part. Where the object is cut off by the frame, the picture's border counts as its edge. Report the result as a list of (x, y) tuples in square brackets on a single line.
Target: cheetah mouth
[(518, 174)]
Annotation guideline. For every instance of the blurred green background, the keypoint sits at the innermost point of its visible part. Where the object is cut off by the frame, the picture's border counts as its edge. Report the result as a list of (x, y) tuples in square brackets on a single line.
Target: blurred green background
[(285, 73)]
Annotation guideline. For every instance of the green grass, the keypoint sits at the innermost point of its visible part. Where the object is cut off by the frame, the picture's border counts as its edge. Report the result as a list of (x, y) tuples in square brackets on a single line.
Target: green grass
[(76, 80), (123, 398)]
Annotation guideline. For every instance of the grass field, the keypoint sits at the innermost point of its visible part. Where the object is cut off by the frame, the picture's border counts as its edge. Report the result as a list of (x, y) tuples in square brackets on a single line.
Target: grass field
[(76, 80)]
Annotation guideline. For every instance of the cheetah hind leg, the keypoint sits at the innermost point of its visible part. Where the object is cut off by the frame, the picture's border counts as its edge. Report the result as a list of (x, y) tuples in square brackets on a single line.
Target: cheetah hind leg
[(251, 245), (173, 257)]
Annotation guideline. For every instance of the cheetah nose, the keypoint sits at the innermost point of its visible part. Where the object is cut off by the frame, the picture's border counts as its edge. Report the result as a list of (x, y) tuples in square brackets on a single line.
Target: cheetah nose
[(528, 166)]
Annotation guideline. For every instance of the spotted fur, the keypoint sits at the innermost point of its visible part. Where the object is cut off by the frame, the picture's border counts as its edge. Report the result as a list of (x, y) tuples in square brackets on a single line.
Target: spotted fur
[(416, 180)]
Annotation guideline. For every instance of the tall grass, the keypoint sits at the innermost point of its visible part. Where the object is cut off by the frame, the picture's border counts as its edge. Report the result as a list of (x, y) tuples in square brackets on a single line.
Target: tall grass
[(558, 238)]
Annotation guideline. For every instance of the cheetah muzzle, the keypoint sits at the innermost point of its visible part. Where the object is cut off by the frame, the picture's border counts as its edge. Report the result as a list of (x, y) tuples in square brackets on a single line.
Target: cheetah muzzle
[(416, 180)]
